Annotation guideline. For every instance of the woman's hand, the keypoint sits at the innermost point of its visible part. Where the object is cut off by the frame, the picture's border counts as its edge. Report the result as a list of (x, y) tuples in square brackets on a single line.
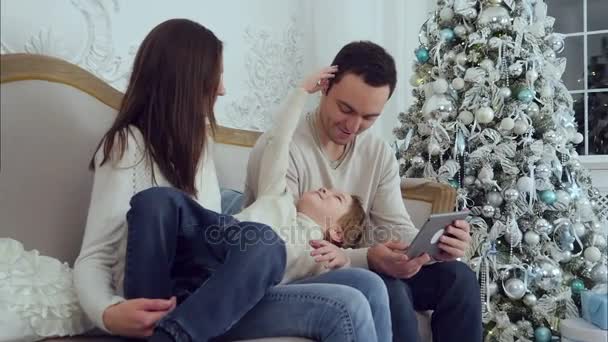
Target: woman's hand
[(332, 255), (319, 80), (136, 317)]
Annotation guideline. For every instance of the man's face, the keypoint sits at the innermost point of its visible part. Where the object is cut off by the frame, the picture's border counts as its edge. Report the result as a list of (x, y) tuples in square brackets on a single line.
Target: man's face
[(350, 107)]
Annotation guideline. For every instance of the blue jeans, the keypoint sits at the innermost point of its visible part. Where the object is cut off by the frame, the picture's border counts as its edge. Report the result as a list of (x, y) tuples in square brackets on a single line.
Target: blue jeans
[(343, 305), (217, 267), (448, 288)]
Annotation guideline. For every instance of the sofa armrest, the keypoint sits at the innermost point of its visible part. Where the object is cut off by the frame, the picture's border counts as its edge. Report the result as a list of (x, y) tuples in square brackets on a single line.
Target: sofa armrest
[(440, 197)]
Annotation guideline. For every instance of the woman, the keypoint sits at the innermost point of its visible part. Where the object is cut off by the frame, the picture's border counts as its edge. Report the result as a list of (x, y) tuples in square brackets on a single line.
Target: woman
[(180, 282)]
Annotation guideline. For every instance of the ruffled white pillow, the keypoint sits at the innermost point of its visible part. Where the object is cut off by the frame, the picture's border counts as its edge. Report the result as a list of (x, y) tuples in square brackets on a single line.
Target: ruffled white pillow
[(37, 296)]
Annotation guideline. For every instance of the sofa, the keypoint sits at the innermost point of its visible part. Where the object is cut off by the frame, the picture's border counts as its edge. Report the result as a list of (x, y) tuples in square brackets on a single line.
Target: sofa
[(53, 115)]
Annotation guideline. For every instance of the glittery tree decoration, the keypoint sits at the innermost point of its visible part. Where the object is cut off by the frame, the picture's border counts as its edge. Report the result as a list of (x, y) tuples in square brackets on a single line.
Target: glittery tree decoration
[(493, 119)]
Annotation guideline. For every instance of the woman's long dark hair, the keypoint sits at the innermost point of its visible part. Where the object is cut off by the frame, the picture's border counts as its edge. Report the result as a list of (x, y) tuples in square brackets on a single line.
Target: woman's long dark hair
[(170, 99)]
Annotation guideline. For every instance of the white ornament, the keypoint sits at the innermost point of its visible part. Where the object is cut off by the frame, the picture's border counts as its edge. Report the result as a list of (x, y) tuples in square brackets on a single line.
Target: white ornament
[(525, 184), (492, 289), (550, 54), (530, 299), (521, 127), (515, 288), (507, 124), (566, 256), (446, 14), (440, 86), (531, 76), (516, 69), (578, 138), (546, 91), (460, 31), (543, 226), (579, 228), (487, 65), (458, 83), (466, 117), (462, 59), (494, 17), (531, 238), (593, 254), (484, 115), (599, 274), (505, 92)]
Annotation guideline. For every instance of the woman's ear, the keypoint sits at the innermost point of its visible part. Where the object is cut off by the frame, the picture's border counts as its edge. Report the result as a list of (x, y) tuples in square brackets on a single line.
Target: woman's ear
[(336, 234)]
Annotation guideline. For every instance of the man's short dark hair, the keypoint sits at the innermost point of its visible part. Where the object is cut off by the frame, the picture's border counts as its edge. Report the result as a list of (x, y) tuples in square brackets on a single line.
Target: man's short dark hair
[(369, 61)]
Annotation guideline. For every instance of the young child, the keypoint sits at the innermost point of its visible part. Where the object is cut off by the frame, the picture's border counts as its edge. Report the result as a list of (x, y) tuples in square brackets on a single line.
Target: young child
[(334, 217)]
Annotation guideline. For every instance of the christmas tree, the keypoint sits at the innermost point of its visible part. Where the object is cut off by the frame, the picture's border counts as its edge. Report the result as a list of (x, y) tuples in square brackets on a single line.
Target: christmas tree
[(492, 118)]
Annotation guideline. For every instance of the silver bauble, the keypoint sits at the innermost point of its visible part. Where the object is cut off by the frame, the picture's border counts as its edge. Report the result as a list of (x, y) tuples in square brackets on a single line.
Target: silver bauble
[(475, 263), (525, 184), (418, 162), (513, 237), (450, 56), (550, 54), (566, 256), (488, 211), (446, 14), (471, 13), (469, 180), (543, 171), (494, 17), (521, 127), (511, 195), (434, 149), (533, 109), (495, 199), (562, 197), (543, 226), (515, 288), (460, 31), (487, 65), (531, 238), (505, 92), (597, 240), (556, 43), (531, 76), (552, 276), (599, 274), (516, 70), (462, 59), (550, 137), (530, 299)]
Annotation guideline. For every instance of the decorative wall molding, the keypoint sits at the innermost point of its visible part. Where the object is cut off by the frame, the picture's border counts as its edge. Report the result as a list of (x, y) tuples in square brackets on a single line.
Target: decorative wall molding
[(274, 66), (97, 54)]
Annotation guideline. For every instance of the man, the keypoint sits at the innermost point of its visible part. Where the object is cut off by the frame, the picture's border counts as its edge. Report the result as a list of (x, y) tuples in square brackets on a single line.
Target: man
[(331, 149)]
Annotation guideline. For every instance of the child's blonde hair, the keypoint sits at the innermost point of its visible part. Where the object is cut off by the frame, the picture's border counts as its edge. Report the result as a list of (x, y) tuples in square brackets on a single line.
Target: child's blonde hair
[(353, 224)]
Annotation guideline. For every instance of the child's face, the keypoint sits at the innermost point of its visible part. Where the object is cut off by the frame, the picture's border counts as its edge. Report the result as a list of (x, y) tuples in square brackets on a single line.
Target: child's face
[(325, 206)]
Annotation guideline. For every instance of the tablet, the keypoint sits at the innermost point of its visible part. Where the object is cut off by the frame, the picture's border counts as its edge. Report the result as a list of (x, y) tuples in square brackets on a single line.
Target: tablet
[(426, 241)]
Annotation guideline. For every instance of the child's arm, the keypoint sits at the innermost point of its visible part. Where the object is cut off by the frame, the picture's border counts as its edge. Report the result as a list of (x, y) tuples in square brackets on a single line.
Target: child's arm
[(275, 157)]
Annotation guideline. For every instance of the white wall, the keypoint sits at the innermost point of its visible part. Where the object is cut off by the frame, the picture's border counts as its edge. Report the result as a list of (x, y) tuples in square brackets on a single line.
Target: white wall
[(269, 44)]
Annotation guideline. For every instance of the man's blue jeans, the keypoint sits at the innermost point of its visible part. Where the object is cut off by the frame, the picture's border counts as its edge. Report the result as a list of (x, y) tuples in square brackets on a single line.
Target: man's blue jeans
[(448, 288), (349, 304)]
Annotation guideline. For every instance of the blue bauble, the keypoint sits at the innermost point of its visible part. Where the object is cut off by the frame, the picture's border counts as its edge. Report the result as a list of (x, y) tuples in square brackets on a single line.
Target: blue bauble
[(422, 54), (577, 286), (548, 197), (542, 334), (447, 34), (525, 95), (454, 183)]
